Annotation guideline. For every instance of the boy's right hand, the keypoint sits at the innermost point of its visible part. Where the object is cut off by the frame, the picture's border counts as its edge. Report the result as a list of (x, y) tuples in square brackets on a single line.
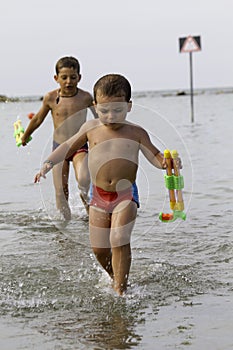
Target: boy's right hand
[(37, 177), (24, 140), (47, 166)]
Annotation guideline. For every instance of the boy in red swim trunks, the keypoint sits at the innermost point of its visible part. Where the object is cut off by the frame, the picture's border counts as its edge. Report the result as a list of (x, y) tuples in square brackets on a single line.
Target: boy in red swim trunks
[(109, 200), (114, 146), (68, 106)]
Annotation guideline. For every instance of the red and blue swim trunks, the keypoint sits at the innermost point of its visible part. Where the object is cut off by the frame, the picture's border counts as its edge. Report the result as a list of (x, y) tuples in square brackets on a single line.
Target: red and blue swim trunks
[(109, 200)]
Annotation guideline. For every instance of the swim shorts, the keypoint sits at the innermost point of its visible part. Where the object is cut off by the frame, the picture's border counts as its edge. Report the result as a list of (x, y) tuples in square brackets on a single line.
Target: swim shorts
[(84, 148), (109, 200)]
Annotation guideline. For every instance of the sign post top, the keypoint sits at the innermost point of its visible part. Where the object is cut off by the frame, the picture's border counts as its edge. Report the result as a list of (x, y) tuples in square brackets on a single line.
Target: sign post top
[(190, 44)]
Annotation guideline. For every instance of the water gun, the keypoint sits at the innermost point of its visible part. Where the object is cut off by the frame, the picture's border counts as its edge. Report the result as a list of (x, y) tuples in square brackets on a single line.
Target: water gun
[(174, 183), (18, 133)]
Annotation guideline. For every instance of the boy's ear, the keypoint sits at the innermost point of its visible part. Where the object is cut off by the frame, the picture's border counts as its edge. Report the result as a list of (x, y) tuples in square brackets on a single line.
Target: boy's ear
[(129, 106), (55, 77), (80, 76)]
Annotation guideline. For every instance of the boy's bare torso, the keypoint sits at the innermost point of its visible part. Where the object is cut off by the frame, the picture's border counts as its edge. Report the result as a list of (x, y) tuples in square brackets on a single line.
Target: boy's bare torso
[(68, 114), (113, 155)]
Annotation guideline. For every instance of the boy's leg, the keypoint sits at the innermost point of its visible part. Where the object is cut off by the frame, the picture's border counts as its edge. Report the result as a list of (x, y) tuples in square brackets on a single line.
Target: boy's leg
[(122, 223), (60, 180), (80, 163), (99, 227)]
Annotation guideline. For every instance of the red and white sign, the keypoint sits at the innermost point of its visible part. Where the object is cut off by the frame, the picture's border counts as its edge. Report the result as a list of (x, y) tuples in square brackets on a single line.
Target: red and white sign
[(190, 44)]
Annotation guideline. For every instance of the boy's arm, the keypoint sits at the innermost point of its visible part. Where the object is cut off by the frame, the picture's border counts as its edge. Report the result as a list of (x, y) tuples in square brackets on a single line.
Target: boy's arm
[(36, 121), (151, 152), (64, 151), (156, 158)]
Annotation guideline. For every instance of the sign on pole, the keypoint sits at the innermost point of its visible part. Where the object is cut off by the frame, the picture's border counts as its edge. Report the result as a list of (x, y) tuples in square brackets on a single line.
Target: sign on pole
[(190, 44)]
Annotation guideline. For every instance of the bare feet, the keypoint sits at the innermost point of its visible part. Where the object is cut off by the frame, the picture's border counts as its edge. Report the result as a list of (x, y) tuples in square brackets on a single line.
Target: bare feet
[(119, 290)]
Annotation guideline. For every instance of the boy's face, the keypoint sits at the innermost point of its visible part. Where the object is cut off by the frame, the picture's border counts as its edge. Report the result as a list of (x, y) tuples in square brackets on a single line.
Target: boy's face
[(68, 79), (112, 110)]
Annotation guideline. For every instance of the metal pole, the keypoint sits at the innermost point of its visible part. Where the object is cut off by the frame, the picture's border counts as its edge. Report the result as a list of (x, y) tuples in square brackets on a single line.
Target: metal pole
[(191, 85)]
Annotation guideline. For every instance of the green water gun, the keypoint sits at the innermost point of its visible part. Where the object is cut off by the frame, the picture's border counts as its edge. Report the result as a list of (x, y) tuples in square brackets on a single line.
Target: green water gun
[(174, 183), (18, 133)]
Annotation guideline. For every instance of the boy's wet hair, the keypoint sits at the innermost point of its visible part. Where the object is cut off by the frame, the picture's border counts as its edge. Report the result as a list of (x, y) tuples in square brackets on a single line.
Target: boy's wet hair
[(67, 62), (113, 85)]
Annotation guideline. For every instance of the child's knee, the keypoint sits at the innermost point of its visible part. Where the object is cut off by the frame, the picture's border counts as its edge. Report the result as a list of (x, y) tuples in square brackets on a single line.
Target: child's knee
[(119, 237), (83, 181)]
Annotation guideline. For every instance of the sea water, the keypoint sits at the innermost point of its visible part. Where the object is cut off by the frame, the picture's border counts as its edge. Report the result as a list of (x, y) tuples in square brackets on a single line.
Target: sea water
[(53, 293)]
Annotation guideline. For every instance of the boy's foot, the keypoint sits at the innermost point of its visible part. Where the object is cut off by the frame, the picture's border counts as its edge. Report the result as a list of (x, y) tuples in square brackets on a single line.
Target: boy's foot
[(120, 291)]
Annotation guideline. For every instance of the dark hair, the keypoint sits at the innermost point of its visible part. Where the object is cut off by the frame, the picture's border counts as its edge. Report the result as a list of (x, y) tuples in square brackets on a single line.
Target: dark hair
[(68, 62), (113, 85)]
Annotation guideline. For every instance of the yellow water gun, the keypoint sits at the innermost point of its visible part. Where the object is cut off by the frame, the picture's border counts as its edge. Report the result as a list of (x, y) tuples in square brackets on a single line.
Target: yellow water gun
[(174, 183), (18, 133)]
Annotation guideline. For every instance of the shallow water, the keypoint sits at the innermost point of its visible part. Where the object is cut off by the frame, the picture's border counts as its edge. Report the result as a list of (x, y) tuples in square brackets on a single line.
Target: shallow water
[(53, 294)]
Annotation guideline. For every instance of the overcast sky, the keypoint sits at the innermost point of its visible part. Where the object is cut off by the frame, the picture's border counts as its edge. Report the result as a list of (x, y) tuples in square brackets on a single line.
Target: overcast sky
[(137, 38)]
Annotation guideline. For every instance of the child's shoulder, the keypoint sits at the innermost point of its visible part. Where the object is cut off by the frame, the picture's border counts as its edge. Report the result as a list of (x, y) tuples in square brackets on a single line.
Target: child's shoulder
[(85, 94), (90, 124), (51, 96), (135, 127), (136, 131), (49, 99)]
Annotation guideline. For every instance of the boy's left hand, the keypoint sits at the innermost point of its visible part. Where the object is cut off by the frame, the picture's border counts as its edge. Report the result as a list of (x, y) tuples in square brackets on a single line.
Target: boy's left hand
[(164, 164)]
